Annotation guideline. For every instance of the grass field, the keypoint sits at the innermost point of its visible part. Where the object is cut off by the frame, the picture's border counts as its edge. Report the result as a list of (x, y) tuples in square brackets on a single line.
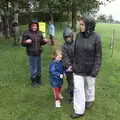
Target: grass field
[(19, 101)]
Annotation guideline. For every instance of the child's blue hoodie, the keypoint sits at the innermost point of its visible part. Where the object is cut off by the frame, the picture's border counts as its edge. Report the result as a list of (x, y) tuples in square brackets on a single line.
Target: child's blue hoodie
[(56, 68)]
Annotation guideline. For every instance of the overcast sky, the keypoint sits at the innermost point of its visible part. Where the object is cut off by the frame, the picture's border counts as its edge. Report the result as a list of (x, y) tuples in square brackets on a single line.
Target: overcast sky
[(112, 8)]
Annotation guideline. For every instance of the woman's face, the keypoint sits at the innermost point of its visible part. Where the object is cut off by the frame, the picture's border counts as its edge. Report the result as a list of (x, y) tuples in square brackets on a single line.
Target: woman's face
[(82, 26)]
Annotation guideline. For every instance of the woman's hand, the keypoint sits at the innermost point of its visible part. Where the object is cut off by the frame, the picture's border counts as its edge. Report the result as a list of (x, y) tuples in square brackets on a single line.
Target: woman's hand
[(69, 69)]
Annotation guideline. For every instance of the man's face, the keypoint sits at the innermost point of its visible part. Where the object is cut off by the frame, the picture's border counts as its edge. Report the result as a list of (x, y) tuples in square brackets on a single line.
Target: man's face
[(34, 27)]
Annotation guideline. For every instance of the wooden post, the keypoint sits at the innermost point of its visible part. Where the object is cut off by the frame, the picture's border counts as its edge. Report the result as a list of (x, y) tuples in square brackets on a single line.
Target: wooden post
[(113, 42)]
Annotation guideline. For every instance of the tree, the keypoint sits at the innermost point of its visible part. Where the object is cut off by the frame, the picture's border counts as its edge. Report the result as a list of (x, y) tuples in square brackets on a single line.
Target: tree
[(0, 26), (9, 11), (48, 6), (17, 6), (70, 6), (85, 7), (5, 17), (110, 19), (104, 2), (14, 7), (102, 18)]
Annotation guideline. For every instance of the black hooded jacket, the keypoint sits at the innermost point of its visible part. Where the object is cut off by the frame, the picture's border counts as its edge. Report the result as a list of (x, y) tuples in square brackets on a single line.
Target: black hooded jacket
[(34, 48), (87, 51), (67, 48)]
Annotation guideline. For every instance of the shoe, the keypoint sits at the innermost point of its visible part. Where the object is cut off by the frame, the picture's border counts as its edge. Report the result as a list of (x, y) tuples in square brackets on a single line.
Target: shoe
[(38, 80), (75, 115), (57, 104), (34, 84), (88, 105), (60, 96)]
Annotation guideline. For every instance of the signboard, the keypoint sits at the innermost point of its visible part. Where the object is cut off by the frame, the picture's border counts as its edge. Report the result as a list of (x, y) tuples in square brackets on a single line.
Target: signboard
[(42, 28)]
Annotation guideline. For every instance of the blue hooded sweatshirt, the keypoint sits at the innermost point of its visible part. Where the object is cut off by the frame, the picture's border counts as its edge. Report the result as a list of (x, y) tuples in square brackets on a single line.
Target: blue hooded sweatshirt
[(56, 68)]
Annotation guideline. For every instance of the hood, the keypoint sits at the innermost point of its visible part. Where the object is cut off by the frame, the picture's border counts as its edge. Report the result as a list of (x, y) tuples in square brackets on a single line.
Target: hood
[(33, 22), (90, 26), (67, 32)]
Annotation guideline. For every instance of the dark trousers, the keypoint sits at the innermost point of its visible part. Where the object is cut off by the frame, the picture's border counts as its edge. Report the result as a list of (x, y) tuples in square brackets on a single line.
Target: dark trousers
[(35, 68), (69, 77), (52, 40)]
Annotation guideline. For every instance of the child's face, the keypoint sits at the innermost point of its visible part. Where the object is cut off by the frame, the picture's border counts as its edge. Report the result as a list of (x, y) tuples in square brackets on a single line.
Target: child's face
[(69, 38), (59, 57)]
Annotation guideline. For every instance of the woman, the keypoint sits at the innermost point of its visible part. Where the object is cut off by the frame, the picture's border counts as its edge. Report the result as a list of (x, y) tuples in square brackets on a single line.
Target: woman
[(86, 65)]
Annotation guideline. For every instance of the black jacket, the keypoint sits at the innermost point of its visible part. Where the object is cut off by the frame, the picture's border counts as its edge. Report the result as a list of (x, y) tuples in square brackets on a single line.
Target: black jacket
[(33, 48), (67, 52), (87, 55), (67, 48)]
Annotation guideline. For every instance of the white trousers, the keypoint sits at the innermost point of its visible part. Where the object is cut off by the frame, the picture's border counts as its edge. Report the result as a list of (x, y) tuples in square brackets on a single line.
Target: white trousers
[(84, 91)]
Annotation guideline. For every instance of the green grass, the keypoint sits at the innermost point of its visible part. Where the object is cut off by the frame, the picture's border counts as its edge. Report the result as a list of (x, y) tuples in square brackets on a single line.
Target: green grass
[(19, 101)]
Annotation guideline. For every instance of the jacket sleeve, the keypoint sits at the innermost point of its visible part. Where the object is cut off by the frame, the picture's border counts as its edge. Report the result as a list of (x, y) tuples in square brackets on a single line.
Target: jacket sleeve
[(65, 57), (64, 68), (24, 38), (53, 70), (98, 57), (42, 42)]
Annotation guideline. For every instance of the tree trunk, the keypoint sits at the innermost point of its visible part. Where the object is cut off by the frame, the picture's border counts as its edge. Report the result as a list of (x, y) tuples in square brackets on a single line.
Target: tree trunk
[(15, 25), (0, 26), (74, 17), (51, 16), (5, 28), (50, 13)]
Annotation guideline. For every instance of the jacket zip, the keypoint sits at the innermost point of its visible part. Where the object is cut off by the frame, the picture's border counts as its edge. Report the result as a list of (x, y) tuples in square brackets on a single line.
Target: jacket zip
[(35, 43)]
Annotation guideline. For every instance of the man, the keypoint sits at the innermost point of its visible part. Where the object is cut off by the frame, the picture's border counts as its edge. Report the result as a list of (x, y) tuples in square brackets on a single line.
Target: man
[(33, 40), (51, 30)]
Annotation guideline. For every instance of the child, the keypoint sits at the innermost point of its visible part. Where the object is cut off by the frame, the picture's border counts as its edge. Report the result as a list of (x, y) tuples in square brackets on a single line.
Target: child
[(67, 52), (56, 76)]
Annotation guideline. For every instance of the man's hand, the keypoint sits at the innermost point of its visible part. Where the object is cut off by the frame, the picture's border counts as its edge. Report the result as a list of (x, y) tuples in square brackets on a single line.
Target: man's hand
[(46, 40), (28, 41)]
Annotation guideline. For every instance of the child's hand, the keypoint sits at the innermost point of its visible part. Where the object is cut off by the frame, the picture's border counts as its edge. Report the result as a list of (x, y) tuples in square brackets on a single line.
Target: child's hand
[(61, 76), (28, 41), (69, 69)]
